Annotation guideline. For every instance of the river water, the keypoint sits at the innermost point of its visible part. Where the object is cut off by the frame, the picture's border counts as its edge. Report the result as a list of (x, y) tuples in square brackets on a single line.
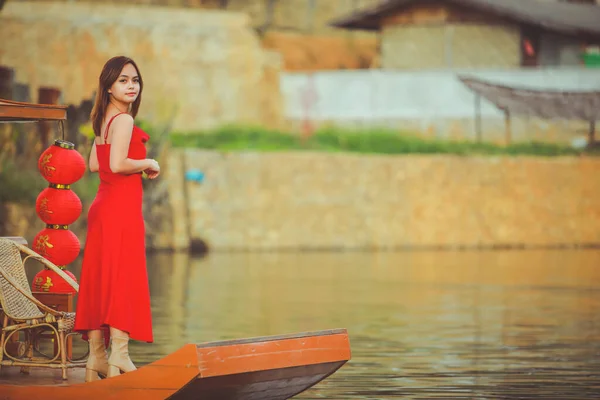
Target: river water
[(422, 325)]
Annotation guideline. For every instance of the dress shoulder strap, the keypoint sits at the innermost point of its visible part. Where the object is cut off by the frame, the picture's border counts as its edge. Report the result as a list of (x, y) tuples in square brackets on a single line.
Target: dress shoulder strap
[(108, 125)]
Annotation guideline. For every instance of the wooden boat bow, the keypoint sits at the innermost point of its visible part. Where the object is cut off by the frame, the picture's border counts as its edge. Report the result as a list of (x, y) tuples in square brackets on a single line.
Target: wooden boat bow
[(273, 367)]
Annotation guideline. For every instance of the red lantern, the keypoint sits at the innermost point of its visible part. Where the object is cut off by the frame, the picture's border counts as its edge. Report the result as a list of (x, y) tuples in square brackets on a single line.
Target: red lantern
[(58, 205), (58, 244), (48, 281), (61, 163)]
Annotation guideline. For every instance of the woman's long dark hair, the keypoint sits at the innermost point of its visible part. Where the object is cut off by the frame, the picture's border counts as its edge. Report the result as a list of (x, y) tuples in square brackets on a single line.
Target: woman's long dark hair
[(110, 73)]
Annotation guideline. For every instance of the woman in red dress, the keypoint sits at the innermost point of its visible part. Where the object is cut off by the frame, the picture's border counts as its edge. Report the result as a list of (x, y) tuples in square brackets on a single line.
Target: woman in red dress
[(114, 297)]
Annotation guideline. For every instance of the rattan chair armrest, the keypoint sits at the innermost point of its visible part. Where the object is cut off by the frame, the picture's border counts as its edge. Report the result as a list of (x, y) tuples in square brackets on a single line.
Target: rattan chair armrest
[(35, 301), (48, 264), (15, 327)]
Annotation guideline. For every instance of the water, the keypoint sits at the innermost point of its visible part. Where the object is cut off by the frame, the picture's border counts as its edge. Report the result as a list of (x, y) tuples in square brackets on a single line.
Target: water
[(422, 325)]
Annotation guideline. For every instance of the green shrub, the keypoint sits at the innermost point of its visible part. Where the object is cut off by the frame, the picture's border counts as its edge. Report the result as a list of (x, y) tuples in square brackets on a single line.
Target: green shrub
[(19, 184), (377, 141), (23, 183)]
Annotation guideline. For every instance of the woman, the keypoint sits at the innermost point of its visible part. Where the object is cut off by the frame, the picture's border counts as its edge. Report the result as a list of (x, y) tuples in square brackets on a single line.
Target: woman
[(114, 298)]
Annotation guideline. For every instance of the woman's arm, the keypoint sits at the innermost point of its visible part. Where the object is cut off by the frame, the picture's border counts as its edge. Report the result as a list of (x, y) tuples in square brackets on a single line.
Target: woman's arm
[(122, 128), (93, 160)]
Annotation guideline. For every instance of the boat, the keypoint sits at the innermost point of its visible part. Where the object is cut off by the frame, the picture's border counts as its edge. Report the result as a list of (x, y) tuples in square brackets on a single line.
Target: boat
[(269, 367)]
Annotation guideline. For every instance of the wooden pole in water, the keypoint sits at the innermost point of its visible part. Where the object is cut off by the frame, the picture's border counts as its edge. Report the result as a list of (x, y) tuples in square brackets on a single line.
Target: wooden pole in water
[(6, 83), (21, 93), (478, 118), (507, 127), (46, 95)]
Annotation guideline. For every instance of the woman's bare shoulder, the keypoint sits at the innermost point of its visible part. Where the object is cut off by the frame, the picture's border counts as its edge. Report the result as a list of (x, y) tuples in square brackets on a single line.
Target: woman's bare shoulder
[(121, 126), (122, 122), (123, 119)]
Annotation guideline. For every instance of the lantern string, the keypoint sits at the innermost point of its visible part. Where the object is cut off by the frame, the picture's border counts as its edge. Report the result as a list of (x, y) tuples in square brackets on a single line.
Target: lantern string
[(61, 123)]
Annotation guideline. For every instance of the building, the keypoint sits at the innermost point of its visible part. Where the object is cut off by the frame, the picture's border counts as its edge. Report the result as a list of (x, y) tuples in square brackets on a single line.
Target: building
[(439, 34)]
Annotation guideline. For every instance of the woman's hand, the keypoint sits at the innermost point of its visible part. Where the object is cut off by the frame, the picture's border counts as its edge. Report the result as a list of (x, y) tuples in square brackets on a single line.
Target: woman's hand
[(153, 170)]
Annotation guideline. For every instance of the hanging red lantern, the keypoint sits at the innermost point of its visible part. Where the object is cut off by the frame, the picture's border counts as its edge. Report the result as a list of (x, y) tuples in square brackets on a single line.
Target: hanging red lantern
[(48, 281), (58, 244), (58, 205), (61, 163)]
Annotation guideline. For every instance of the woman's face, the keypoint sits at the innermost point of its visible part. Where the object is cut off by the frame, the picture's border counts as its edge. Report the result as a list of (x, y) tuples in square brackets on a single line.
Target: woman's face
[(127, 86)]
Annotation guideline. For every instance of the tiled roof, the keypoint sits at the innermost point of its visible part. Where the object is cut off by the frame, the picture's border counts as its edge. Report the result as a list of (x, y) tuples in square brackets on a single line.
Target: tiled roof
[(567, 18)]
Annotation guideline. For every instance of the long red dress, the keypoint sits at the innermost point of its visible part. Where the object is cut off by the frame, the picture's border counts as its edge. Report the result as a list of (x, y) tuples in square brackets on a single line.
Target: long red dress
[(113, 287)]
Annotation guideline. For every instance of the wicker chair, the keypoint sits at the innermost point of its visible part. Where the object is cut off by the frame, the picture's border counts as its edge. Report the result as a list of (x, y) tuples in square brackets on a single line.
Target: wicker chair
[(24, 314)]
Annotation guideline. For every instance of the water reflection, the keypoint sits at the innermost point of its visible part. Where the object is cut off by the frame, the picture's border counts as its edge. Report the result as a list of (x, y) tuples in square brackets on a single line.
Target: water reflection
[(489, 325)]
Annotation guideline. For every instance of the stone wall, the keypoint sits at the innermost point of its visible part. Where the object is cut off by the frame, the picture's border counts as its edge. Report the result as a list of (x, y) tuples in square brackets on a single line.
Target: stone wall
[(201, 68), (321, 53), (296, 201), (306, 16), (271, 201), (297, 29)]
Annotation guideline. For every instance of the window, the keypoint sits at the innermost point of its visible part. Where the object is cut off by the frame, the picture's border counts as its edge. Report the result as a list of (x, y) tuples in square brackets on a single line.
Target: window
[(530, 47)]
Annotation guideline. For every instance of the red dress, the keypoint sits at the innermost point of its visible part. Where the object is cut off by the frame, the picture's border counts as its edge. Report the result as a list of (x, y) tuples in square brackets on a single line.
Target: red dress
[(113, 287)]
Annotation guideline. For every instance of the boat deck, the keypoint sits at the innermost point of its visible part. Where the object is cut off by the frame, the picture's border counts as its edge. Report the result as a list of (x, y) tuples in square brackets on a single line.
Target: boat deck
[(40, 377)]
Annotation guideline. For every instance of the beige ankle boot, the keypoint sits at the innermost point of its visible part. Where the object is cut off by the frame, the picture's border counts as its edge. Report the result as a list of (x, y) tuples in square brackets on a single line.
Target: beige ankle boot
[(119, 361), (97, 364)]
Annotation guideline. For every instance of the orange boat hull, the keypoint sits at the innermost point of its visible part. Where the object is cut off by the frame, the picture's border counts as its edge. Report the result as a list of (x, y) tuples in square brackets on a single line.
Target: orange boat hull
[(276, 367)]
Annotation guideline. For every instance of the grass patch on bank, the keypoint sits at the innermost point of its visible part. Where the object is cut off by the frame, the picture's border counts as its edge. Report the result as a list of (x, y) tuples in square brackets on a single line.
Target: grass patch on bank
[(368, 141)]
